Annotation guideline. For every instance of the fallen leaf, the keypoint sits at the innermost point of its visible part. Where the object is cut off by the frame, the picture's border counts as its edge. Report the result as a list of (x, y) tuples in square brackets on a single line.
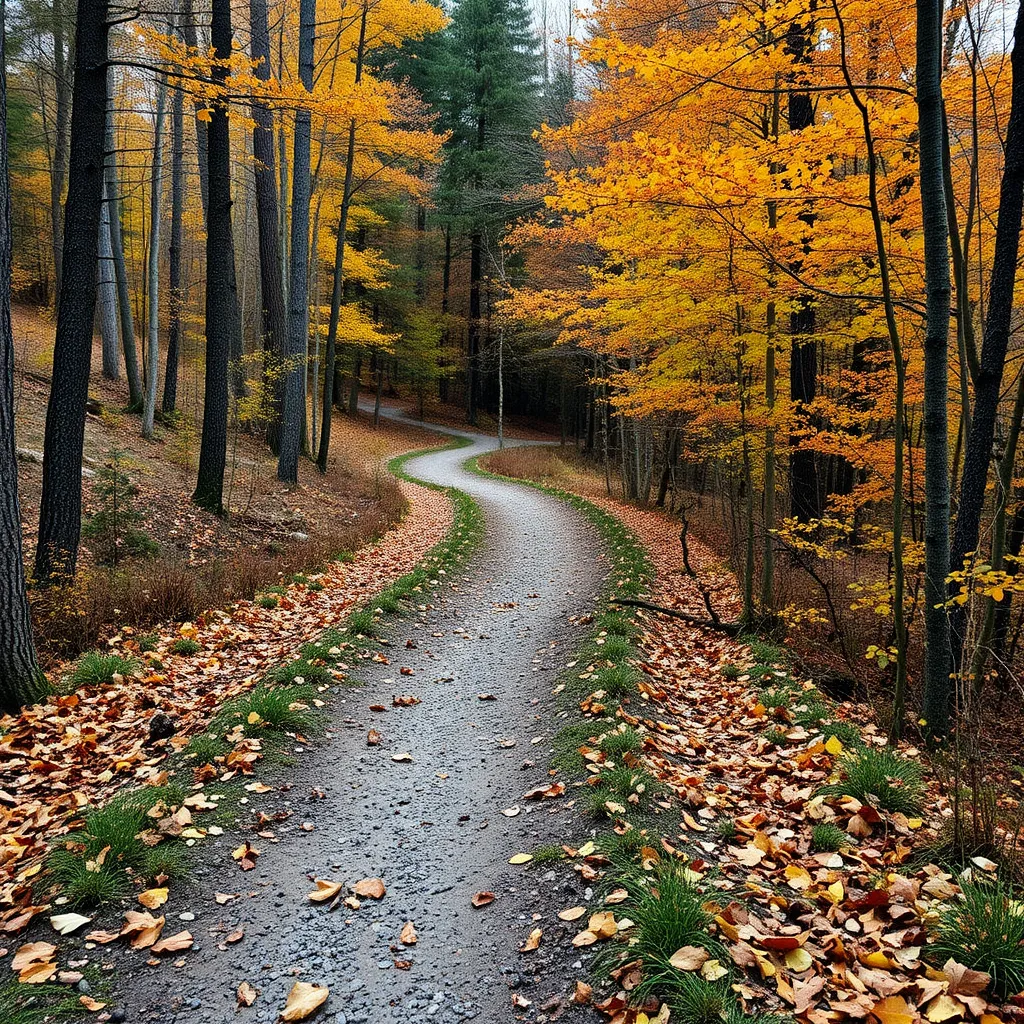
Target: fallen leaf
[(37, 973), (403, 757), (572, 914), (325, 890), (174, 943), (92, 1005), (408, 936), (689, 958), (520, 858), (153, 899), (303, 1000), (373, 738), (65, 924), (245, 994), (532, 942), (481, 899), (32, 952), (141, 929), (372, 887), (582, 993)]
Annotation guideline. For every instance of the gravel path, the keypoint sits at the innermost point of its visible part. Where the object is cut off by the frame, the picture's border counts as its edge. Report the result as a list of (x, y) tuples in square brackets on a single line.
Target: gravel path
[(431, 828)]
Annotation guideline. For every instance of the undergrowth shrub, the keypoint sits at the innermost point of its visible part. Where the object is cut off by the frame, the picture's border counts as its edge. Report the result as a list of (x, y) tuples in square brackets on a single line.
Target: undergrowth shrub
[(984, 930), (879, 776)]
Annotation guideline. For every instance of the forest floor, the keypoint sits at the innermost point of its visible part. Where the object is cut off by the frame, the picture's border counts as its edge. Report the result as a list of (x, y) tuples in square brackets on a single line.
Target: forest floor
[(457, 815)]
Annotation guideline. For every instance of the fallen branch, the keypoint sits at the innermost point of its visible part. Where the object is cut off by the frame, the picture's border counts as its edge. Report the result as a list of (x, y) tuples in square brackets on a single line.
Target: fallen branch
[(728, 628)]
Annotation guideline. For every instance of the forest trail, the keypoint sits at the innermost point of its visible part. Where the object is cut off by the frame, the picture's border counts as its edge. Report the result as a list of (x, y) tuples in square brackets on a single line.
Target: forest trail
[(432, 827)]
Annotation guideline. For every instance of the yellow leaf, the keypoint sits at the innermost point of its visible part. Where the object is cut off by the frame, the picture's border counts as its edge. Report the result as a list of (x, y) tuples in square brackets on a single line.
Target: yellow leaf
[(325, 890), (797, 877), (532, 943), (799, 960), (833, 746), (153, 898), (713, 971), (836, 891), (893, 1010), (303, 1000), (520, 858), (204, 114), (942, 1007), (572, 914), (586, 849)]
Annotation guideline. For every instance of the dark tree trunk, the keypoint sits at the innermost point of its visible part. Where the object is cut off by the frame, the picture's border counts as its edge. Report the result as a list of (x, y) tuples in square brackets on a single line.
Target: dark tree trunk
[(274, 328), (60, 514), (475, 274), (21, 681), (936, 362), (177, 299), (988, 383), (222, 319), (60, 143), (807, 499), (188, 32), (298, 294)]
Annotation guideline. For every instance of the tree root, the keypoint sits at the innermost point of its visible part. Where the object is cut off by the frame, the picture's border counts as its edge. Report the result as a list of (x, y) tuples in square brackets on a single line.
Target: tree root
[(728, 628)]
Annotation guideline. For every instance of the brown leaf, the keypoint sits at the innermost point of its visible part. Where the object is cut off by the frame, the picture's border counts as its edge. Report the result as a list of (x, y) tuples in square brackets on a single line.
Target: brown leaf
[(408, 935), (142, 929), (532, 942), (325, 890), (582, 993), (481, 899), (37, 973), (32, 952), (963, 980), (177, 943), (92, 1005), (373, 738), (245, 994), (689, 958), (372, 887)]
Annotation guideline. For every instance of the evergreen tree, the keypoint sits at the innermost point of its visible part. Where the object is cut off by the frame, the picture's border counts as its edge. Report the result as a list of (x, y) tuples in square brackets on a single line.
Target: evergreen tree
[(489, 74)]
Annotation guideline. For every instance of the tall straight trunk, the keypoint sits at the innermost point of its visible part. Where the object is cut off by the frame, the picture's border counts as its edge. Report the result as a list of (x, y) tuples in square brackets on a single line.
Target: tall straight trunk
[(330, 350), (936, 362), (988, 382), (475, 275), (175, 295), (112, 195), (805, 486), (153, 275), (58, 172), (60, 513), (298, 294), (222, 318), (21, 681), (106, 295), (189, 34), (273, 313)]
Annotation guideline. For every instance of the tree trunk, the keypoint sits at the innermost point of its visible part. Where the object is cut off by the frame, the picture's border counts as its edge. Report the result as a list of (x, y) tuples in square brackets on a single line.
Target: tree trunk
[(298, 293), (175, 294), (222, 319), (60, 514), (273, 318), (475, 275), (988, 384), (112, 193), (936, 362), (21, 681), (58, 172), (188, 32), (153, 276), (106, 294), (326, 409)]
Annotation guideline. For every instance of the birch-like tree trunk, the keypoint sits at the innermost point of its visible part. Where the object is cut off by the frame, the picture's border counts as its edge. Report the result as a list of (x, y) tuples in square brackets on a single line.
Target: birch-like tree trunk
[(153, 269), (106, 296)]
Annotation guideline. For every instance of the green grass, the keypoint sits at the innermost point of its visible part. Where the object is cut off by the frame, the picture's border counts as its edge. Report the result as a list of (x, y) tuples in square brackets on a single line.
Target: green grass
[(984, 930), (98, 669), (880, 777), (82, 887), (267, 601), (37, 1004), (320, 649), (362, 622), (543, 856), (725, 828), (615, 648), (846, 732), (827, 837), (625, 740), (168, 860), (148, 642), (781, 693), (619, 623), (300, 672), (277, 589), (766, 653), (618, 785), (732, 671), (623, 850), (314, 586), (775, 736), (206, 747), (566, 744), (274, 710), (618, 682), (185, 645)]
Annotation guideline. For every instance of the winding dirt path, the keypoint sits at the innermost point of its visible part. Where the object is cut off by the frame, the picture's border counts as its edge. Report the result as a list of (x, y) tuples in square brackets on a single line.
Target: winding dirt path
[(432, 828)]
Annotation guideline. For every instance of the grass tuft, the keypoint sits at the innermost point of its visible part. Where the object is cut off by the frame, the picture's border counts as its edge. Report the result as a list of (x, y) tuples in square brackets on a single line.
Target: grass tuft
[(984, 930), (362, 622), (277, 708), (619, 681), (827, 837), (625, 740), (881, 777), (98, 669), (185, 645)]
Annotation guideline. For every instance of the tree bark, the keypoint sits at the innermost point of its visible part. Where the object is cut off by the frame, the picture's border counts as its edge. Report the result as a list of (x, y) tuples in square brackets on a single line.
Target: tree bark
[(112, 195), (222, 317), (273, 318), (475, 275), (153, 332), (106, 294), (58, 172), (188, 32), (60, 514), (175, 294), (21, 681), (936, 361), (330, 350), (298, 292)]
